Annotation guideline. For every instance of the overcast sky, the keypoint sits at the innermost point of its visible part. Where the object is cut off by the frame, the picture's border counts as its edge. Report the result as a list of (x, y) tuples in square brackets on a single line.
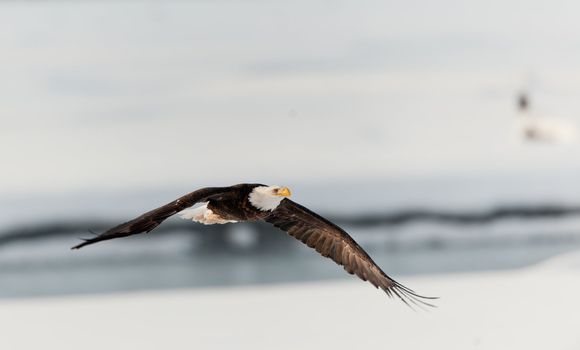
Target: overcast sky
[(152, 94)]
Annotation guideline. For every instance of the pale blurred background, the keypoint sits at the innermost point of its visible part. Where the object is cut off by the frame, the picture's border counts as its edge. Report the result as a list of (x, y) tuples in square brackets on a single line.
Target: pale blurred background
[(398, 120)]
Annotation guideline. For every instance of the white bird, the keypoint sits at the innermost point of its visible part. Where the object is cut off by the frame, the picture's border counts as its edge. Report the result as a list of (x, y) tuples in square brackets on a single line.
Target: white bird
[(543, 129)]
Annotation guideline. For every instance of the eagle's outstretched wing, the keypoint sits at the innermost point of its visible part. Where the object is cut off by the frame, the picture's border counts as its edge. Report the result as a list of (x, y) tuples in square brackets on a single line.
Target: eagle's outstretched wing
[(334, 243), (151, 219)]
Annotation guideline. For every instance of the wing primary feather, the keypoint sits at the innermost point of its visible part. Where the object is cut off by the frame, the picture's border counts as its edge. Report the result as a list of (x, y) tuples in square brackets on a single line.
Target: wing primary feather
[(394, 290), (412, 292), (413, 297)]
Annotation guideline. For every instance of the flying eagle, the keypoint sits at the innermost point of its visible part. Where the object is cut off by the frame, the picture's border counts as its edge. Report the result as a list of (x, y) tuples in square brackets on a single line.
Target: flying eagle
[(256, 202)]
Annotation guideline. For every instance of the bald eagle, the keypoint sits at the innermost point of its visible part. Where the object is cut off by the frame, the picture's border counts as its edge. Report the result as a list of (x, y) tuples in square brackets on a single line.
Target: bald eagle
[(257, 202)]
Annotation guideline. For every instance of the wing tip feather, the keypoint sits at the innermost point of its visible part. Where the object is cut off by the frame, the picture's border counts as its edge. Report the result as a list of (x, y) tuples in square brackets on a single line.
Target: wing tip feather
[(80, 245), (409, 296)]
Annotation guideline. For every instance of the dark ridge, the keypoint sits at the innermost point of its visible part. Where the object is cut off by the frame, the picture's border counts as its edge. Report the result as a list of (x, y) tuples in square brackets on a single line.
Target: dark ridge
[(460, 218), (83, 229)]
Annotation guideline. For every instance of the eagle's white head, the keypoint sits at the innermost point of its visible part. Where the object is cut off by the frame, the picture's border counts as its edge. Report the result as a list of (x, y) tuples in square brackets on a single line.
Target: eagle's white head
[(267, 198)]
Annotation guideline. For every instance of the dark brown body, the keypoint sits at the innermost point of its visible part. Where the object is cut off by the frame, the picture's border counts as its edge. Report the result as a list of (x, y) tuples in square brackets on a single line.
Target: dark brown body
[(236, 205)]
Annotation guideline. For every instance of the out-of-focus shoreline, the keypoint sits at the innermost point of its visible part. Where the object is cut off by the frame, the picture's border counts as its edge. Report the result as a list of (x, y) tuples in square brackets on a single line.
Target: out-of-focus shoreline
[(520, 309)]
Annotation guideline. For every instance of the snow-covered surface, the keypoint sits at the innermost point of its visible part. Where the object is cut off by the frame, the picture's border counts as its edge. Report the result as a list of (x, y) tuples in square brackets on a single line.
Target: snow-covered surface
[(533, 308), (398, 98)]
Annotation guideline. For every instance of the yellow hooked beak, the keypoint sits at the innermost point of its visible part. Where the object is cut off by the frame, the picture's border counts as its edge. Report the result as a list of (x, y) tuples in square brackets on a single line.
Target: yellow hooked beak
[(284, 192)]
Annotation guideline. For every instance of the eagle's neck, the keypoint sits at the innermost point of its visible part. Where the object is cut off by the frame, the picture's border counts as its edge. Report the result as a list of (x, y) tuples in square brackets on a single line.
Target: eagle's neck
[(263, 198)]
